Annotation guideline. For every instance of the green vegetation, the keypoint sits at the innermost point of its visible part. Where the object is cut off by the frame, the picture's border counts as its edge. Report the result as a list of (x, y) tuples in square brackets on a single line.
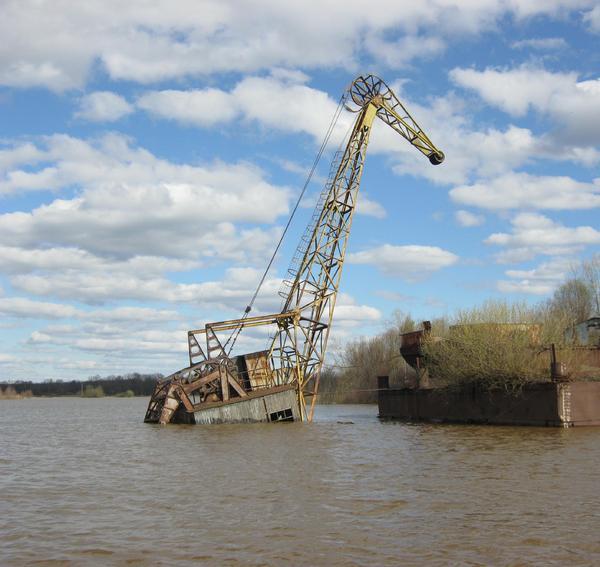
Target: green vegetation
[(125, 394), (93, 392), (131, 384), (353, 376), (9, 393), (499, 344)]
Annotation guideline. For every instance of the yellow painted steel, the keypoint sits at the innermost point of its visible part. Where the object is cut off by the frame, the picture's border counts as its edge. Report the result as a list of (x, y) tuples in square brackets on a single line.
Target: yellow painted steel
[(316, 282), (297, 349)]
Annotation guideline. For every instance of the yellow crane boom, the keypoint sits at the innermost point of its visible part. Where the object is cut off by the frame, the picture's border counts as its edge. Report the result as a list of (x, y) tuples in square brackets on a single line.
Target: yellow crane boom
[(313, 290), (297, 350)]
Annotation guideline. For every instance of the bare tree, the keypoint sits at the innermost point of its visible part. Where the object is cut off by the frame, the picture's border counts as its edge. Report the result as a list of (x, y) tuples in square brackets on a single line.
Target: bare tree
[(573, 300), (590, 274)]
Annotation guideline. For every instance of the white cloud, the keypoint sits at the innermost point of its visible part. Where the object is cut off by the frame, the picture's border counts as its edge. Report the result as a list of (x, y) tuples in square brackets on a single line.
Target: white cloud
[(526, 191), (593, 18), (469, 151), (130, 314), (540, 280), (400, 53), (103, 106), (119, 343), (298, 108), (230, 293), (542, 43), (571, 103), (292, 106), (78, 364), (370, 208), (135, 204), (37, 337), (6, 358), (465, 218), (198, 107), (23, 307), (22, 260), (487, 153), (411, 262), (57, 44), (534, 234), (515, 90), (26, 153), (350, 313)]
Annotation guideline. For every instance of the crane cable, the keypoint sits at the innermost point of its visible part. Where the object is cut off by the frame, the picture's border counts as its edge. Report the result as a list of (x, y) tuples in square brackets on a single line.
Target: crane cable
[(235, 333)]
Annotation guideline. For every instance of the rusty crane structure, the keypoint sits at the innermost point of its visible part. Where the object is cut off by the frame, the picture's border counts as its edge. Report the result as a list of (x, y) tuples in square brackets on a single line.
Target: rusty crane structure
[(281, 382)]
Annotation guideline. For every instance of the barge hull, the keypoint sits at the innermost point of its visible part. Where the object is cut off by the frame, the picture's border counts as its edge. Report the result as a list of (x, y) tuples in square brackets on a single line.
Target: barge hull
[(280, 404), (566, 404)]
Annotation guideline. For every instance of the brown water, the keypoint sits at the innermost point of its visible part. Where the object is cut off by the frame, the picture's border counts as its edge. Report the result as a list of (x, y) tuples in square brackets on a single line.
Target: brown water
[(86, 482)]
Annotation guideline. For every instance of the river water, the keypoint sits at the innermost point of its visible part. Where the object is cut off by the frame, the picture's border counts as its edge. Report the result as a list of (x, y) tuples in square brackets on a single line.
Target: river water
[(85, 482)]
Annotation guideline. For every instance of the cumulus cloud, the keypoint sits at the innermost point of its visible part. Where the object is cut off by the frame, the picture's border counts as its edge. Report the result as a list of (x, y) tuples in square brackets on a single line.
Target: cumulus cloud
[(121, 343), (400, 53), (349, 314), (200, 107), (19, 154), (370, 208), (534, 234), (109, 340), (135, 204), (526, 191), (542, 43), (312, 110), (490, 152), (571, 103), (410, 262), (23, 307), (541, 280), (593, 19), (57, 44), (469, 150), (14, 259), (465, 218), (292, 105), (103, 106)]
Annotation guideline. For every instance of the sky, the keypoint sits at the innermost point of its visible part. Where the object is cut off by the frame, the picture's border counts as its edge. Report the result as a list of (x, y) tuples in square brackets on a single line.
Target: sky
[(151, 154)]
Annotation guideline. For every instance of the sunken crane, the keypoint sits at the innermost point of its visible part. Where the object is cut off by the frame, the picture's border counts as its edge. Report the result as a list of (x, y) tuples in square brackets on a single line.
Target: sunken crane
[(281, 382)]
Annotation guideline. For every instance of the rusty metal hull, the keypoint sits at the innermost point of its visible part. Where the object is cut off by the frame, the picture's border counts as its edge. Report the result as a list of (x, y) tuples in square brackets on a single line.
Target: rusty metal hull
[(567, 404), (272, 405)]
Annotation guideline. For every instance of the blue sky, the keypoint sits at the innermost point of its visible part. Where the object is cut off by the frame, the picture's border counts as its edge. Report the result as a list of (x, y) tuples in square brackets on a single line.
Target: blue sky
[(150, 155)]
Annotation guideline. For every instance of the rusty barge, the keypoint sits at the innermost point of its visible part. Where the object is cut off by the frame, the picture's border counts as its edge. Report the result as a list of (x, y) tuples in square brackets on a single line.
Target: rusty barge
[(223, 389), (563, 401)]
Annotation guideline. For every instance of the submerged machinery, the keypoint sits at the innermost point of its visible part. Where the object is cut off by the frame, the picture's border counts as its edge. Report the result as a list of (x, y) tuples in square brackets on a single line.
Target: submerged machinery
[(281, 382)]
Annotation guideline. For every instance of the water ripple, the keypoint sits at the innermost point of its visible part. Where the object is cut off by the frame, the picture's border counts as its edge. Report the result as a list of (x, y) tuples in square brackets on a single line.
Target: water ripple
[(84, 482)]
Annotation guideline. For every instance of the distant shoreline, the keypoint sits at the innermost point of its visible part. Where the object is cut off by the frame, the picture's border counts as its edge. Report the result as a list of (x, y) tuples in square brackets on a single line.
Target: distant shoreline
[(130, 385)]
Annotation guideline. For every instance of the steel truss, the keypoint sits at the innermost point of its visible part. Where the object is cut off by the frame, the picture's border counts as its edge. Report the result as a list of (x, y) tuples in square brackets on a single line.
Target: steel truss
[(297, 350)]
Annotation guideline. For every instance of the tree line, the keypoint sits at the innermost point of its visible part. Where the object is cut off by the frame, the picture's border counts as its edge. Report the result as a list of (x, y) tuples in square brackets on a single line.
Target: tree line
[(499, 344), (137, 384)]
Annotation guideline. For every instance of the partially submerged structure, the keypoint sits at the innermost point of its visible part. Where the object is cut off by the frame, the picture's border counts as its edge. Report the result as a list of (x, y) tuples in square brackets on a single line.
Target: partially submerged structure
[(563, 399), (281, 382)]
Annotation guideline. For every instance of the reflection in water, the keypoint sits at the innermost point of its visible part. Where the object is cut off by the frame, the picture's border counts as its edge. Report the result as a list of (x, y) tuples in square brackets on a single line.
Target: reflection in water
[(84, 480)]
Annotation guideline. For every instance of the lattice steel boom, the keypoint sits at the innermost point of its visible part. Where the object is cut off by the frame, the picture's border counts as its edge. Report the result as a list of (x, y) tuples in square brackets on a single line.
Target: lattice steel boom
[(299, 342), (315, 284)]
